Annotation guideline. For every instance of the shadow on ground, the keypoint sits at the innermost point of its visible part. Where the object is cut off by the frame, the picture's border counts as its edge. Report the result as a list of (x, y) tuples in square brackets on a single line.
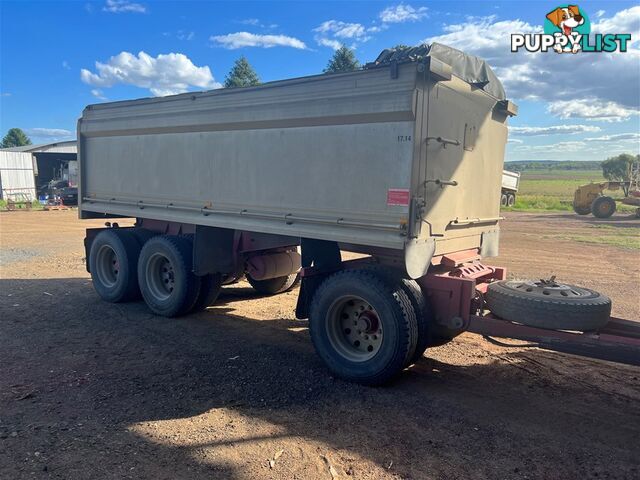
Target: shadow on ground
[(83, 380)]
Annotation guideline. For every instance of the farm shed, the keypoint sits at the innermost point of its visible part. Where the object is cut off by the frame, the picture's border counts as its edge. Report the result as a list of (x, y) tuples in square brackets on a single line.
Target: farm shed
[(17, 179), (49, 159)]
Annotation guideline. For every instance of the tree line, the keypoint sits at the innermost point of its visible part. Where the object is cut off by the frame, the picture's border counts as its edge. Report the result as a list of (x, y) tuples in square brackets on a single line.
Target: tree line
[(620, 168), (242, 73)]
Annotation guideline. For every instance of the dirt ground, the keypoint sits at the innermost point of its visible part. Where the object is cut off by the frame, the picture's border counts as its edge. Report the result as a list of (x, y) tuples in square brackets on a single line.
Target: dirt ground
[(96, 390)]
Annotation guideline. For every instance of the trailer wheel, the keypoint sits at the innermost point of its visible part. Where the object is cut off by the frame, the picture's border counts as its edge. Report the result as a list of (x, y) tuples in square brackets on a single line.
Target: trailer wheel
[(549, 304), (113, 262), (504, 200), (511, 200), (362, 326), (165, 274), (581, 209), (210, 287), (424, 318), (603, 207), (276, 285), (423, 313), (142, 235)]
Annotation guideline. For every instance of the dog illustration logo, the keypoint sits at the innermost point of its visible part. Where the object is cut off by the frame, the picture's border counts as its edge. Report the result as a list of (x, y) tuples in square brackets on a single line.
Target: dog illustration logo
[(567, 29), (565, 22)]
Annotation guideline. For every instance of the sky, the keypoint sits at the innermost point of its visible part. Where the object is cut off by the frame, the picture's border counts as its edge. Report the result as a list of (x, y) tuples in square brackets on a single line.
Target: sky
[(57, 57)]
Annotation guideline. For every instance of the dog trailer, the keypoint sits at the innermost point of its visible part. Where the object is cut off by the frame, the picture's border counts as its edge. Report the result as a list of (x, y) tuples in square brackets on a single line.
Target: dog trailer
[(401, 161)]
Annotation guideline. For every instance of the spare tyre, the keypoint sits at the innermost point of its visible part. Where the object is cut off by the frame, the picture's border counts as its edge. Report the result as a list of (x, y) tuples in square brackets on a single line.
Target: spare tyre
[(549, 304)]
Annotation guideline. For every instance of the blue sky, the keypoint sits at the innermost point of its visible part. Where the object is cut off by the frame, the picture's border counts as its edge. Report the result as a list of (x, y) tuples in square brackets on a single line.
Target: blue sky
[(57, 57)]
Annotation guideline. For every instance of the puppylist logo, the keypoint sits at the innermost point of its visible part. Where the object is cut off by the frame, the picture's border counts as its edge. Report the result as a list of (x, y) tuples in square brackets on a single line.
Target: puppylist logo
[(567, 29)]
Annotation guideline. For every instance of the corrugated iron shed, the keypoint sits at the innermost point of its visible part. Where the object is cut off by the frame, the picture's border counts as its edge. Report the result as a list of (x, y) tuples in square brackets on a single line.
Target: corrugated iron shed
[(17, 180)]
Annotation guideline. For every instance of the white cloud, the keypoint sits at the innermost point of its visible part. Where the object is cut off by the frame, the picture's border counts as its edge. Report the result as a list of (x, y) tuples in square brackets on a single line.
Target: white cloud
[(66, 65), (166, 74), (255, 22), (236, 40), (5, 94), (610, 79), (515, 140), (50, 133), (402, 13), (553, 130), (96, 92), (591, 109), (250, 21), (123, 6), (571, 146), (624, 21), (184, 35), (340, 29), (334, 33), (615, 138), (327, 42)]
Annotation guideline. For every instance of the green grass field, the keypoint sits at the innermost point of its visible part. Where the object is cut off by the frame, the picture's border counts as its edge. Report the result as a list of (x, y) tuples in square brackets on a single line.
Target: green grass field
[(552, 190)]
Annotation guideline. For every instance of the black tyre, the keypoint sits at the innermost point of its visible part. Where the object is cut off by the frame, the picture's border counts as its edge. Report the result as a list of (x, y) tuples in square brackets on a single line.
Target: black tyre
[(548, 304), (363, 327), (581, 210), (424, 314), (113, 262), (504, 199), (424, 318), (603, 207), (511, 200), (276, 285), (142, 235), (166, 277), (210, 286)]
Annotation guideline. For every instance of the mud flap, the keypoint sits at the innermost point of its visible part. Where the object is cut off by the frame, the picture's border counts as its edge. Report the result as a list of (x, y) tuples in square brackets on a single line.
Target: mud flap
[(323, 255), (417, 256)]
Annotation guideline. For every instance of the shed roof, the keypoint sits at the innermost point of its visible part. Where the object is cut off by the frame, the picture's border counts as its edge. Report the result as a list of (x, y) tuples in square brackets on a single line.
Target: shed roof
[(69, 146)]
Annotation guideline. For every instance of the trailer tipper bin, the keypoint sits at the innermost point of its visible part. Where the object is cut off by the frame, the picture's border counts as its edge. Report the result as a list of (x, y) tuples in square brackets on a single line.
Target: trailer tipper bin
[(401, 161)]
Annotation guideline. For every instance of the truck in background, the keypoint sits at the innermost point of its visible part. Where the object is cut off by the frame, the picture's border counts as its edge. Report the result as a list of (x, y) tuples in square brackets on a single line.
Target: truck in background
[(510, 184)]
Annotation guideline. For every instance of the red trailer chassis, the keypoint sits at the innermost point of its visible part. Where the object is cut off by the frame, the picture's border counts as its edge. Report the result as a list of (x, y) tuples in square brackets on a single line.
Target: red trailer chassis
[(455, 288)]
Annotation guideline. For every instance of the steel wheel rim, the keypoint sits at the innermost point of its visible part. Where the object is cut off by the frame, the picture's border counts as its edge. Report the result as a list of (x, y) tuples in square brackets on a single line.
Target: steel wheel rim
[(605, 208), (550, 289), (354, 328), (107, 266), (160, 276)]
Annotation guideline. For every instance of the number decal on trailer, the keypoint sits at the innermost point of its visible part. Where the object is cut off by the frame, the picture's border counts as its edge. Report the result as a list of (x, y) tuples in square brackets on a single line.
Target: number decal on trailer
[(404, 138)]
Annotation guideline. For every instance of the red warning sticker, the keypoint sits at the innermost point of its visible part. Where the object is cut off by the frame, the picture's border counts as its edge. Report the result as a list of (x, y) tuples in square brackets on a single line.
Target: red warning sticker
[(398, 196)]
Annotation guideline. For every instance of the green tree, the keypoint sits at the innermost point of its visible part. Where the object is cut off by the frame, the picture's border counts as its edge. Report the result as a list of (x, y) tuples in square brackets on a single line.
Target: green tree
[(343, 60), (620, 168), (15, 138), (241, 75)]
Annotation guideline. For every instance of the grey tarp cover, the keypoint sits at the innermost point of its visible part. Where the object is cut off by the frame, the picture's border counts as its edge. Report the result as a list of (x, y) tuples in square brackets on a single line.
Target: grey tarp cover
[(471, 69)]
